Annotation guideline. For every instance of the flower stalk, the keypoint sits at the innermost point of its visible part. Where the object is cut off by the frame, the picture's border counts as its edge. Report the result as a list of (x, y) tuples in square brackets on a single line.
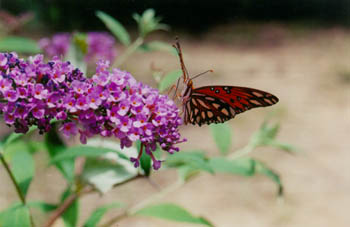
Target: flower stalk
[(129, 51)]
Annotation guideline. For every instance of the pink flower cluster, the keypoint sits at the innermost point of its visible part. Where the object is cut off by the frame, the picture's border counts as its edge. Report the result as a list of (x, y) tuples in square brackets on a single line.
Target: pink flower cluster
[(111, 103), (100, 45)]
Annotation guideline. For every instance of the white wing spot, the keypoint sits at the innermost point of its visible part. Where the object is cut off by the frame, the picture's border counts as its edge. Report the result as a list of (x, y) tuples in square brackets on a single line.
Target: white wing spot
[(210, 98), (201, 102), (257, 94), (196, 111), (232, 111), (268, 101), (255, 102), (216, 105), (224, 111)]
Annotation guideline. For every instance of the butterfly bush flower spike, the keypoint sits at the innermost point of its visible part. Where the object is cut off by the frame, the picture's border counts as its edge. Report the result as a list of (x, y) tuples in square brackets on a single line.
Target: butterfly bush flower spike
[(58, 45), (100, 45), (111, 103)]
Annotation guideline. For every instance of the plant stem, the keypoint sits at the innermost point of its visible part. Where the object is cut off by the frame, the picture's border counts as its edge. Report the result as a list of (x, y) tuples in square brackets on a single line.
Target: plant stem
[(155, 197), (14, 182), (144, 203), (65, 205), (70, 200), (8, 170), (61, 209), (131, 49), (80, 190), (241, 152)]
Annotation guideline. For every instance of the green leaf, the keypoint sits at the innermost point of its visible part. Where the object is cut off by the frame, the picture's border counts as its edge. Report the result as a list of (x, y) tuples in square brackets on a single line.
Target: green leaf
[(80, 151), (270, 131), (16, 136), (55, 145), (80, 42), (137, 17), (75, 54), (148, 15), (172, 212), (186, 172), (158, 153), (12, 138), (147, 22), (146, 163), (263, 169), (124, 153), (108, 171), (8, 210), (17, 215), (194, 159), (265, 134), (169, 79), (98, 213), (71, 215), (145, 160), (19, 45), (22, 164), (158, 46), (283, 146), (115, 27), (243, 166), (222, 135), (43, 206), (35, 146)]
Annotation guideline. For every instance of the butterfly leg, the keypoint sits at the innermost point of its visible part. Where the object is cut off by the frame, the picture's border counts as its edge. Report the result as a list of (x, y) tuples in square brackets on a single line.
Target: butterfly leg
[(183, 110), (176, 93), (171, 89), (177, 86)]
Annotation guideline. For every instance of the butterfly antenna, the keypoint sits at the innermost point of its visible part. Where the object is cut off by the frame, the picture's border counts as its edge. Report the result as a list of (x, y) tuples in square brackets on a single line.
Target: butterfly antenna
[(183, 67), (198, 75)]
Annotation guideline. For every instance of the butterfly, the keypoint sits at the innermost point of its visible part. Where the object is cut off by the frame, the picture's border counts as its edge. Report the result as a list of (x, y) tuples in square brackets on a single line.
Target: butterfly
[(216, 104)]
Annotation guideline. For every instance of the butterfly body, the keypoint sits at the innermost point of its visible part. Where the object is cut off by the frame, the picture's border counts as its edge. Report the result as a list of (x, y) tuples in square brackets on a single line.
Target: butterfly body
[(217, 104)]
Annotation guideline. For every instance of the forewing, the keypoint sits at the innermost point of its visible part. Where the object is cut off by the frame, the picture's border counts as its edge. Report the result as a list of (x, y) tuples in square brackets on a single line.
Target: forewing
[(217, 104)]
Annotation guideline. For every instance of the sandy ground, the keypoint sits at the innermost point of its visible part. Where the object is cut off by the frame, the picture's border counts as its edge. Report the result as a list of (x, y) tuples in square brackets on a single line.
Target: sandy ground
[(309, 71)]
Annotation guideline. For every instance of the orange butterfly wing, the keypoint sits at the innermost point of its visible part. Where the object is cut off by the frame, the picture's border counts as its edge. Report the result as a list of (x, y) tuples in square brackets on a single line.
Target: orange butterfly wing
[(217, 104)]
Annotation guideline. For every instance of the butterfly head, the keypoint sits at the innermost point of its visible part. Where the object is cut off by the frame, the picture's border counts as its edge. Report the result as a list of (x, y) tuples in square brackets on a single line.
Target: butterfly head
[(189, 83)]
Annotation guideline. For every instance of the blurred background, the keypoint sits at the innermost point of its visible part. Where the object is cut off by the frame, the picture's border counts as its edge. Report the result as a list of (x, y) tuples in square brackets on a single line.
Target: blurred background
[(298, 50)]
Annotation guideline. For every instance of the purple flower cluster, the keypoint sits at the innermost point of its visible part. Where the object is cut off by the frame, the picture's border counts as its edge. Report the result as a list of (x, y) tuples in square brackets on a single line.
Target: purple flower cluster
[(111, 103), (57, 46), (100, 45)]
